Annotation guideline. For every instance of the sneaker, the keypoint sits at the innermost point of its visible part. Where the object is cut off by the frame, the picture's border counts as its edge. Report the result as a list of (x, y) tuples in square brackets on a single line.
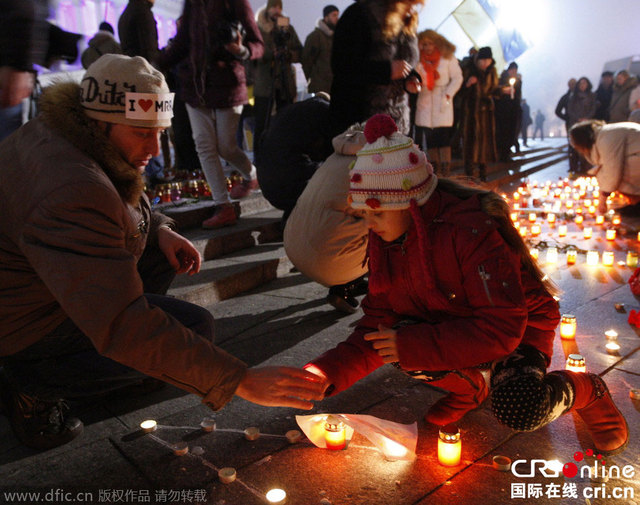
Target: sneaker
[(225, 215), (341, 297), (36, 423), (242, 188)]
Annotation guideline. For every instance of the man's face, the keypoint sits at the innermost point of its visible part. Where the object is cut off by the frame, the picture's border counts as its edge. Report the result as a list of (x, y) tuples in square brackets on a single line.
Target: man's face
[(621, 79), (274, 12), (136, 145), (332, 19)]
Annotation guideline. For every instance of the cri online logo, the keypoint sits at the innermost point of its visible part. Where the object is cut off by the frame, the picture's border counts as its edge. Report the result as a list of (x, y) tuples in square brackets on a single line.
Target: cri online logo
[(552, 469)]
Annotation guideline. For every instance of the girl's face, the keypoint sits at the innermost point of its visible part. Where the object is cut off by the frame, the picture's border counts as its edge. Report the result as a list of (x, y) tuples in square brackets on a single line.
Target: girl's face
[(582, 85), (426, 46), (388, 224)]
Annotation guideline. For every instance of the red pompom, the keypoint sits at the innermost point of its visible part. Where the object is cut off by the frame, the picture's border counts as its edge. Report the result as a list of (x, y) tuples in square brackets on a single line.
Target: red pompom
[(356, 178), (413, 158), (373, 203), (380, 125)]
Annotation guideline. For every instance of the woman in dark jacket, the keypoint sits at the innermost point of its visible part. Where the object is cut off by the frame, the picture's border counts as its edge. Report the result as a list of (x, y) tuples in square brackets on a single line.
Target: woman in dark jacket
[(213, 85), (374, 50), (581, 105)]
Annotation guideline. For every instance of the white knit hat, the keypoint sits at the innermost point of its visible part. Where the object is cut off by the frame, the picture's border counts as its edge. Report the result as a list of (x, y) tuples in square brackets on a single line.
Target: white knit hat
[(390, 171), (124, 90)]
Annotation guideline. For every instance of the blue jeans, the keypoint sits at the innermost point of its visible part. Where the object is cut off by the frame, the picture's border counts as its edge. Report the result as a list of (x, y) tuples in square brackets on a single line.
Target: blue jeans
[(65, 364), (10, 120)]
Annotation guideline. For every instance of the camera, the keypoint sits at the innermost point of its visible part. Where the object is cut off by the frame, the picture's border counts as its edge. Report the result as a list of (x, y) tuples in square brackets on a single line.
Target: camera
[(281, 34), (226, 32)]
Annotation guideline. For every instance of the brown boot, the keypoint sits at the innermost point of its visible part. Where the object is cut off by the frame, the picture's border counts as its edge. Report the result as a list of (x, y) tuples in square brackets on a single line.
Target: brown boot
[(225, 215), (593, 403), (467, 391)]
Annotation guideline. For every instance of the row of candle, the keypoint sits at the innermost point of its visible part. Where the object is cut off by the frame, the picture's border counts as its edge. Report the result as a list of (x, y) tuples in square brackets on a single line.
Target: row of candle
[(592, 257), (569, 326), (587, 232)]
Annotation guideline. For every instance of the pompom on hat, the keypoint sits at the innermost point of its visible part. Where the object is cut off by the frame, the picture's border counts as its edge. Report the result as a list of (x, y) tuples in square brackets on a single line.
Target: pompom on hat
[(390, 171), (124, 90)]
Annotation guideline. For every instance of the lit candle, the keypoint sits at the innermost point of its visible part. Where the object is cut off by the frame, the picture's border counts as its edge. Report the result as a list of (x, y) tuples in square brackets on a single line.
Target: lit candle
[(639, 236), (512, 81), (552, 255), (579, 219), (587, 203), (449, 445), (535, 229), (523, 231), (615, 220), (600, 219), (576, 363), (514, 216), (572, 256), (632, 259), (611, 335), (148, 426), (335, 434), (532, 217), (579, 210), (593, 258), (588, 231), (568, 326), (607, 258), (276, 496), (551, 217), (611, 234), (569, 204), (562, 230), (612, 347), (534, 253), (516, 206), (516, 196)]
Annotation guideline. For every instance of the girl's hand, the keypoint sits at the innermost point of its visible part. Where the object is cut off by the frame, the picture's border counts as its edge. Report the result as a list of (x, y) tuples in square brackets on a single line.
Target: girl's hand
[(384, 342)]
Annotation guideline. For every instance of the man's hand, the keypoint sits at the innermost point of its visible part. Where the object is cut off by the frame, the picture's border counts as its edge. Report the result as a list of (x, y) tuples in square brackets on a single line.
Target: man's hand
[(15, 85), (180, 253), (236, 48), (281, 386), (384, 342)]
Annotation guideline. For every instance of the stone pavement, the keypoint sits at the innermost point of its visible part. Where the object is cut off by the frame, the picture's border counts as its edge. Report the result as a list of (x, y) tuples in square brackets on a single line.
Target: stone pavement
[(287, 321)]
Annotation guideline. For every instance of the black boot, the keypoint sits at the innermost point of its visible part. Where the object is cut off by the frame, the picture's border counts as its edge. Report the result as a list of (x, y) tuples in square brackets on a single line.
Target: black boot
[(342, 298), (38, 424)]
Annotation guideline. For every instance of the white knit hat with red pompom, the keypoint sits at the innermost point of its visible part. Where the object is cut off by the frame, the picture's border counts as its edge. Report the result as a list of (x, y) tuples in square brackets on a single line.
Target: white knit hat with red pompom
[(390, 171)]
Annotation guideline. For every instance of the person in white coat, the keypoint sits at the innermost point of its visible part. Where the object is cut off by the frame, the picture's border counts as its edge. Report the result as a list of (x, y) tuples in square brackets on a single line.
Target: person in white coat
[(441, 79), (614, 150)]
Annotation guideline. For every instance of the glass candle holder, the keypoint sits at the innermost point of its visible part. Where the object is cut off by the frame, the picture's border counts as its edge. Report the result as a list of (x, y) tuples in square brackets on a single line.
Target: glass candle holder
[(551, 217), (335, 434), (579, 219), (523, 231), (616, 220), (600, 219), (449, 445), (576, 363), (587, 232), (568, 326), (572, 256), (514, 216), (593, 258), (552, 255), (610, 234), (562, 230), (632, 259), (532, 217), (535, 230), (608, 258), (535, 253)]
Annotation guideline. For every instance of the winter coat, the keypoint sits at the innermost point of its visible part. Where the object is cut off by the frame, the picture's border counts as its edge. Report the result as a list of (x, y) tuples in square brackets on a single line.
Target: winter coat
[(616, 156), (561, 108), (478, 108), (361, 63), (102, 43), (210, 76), (296, 143), (434, 109), (316, 58), (323, 238), (138, 31), (619, 106), (581, 105), (464, 290), (74, 225), (274, 68)]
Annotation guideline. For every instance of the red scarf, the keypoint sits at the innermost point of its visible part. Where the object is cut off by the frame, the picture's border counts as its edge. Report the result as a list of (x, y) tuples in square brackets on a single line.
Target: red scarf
[(430, 64)]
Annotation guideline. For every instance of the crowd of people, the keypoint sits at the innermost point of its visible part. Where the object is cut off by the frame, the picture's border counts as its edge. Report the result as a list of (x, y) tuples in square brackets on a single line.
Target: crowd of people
[(85, 262)]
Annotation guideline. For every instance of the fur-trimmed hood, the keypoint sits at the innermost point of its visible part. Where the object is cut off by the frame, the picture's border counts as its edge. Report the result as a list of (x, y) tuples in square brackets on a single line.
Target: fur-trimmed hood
[(61, 112), (263, 21), (324, 28)]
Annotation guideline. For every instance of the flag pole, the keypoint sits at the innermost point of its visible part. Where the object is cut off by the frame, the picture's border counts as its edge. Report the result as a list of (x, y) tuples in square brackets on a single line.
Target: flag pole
[(448, 15)]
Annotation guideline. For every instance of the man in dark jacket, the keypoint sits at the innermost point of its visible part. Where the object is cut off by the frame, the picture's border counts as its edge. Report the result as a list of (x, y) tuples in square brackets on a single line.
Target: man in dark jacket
[(77, 319), (138, 31), (316, 55), (603, 95)]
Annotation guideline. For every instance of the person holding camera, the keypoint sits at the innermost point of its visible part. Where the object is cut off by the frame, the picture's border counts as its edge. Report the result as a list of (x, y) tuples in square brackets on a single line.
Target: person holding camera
[(215, 38), (275, 79)]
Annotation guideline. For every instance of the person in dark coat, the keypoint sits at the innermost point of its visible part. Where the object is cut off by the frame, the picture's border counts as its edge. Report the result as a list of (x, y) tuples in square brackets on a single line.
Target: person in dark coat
[(479, 90), (508, 113), (102, 42), (454, 297), (297, 143), (316, 55), (526, 121), (374, 51), (211, 51), (138, 31), (603, 95)]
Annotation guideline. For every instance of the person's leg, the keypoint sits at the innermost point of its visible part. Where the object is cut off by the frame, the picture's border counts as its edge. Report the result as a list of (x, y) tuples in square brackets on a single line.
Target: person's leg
[(525, 398), (261, 110), (10, 120)]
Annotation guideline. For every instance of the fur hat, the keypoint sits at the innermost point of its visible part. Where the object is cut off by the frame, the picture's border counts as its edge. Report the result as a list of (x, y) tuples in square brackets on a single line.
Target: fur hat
[(124, 90), (390, 171)]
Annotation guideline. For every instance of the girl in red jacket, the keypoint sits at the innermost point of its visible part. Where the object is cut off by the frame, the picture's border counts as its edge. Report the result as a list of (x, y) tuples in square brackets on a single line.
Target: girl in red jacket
[(453, 292)]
